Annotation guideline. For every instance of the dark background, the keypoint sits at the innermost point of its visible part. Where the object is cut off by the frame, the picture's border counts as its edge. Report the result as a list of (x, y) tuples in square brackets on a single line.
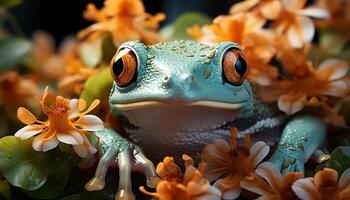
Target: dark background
[(64, 17)]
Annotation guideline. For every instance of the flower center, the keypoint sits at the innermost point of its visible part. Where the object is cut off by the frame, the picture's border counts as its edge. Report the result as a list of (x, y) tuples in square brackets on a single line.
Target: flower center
[(58, 114)]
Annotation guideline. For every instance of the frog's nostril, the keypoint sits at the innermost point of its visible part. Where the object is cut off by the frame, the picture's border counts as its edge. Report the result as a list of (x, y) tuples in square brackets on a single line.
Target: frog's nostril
[(166, 78), (189, 78)]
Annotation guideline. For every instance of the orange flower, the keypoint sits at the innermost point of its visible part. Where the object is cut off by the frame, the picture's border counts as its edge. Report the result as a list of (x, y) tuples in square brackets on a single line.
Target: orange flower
[(270, 184), (270, 9), (324, 185), (259, 54), (124, 20), (51, 63), (228, 164), (67, 122), (15, 91), (176, 185), (248, 33), (222, 28), (328, 80), (294, 21), (76, 75)]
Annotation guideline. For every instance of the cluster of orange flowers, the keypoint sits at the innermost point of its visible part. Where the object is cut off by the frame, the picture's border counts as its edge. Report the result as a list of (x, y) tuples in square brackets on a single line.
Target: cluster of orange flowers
[(277, 37), (275, 31), (219, 165)]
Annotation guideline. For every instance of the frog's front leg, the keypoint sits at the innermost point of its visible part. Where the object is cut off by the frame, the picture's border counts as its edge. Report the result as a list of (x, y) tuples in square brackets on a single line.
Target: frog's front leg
[(300, 138), (116, 150)]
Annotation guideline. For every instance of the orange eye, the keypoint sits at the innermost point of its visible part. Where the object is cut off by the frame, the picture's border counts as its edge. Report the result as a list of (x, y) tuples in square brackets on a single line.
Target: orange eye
[(235, 66), (123, 67)]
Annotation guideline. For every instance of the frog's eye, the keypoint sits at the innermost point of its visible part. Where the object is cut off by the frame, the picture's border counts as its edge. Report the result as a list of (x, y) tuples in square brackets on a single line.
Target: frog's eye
[(234, 66), (123, 67)]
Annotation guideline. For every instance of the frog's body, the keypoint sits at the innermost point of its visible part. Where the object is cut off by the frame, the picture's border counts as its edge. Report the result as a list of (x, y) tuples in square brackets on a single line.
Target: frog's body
[(180, 99)]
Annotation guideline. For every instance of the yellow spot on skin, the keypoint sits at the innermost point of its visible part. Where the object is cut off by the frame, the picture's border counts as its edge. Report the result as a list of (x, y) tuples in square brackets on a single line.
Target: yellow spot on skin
[(207, 73), (150, 56), (285, 165), (211, 54), (207, 61)]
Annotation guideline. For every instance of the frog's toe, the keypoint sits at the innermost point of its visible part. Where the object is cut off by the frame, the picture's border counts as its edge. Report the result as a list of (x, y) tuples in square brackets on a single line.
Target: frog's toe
[(130, 159), (291, 165), (125, 167), (143, 164), (287, 163), (98, 181)]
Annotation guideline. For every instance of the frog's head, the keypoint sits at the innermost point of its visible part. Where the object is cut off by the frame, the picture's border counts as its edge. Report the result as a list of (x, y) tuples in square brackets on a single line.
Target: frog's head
[(180, 85)]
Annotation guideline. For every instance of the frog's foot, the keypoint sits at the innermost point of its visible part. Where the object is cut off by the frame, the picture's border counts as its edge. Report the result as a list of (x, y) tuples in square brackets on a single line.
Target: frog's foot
[(288, 161), (127, 157)]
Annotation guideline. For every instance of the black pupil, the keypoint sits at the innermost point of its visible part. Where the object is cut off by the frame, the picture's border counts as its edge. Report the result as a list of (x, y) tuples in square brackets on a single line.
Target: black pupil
[(241, 66), (118, 67)]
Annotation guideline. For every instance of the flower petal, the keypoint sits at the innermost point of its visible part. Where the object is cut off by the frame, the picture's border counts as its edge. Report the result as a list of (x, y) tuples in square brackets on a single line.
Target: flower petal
[(243, 6), (72, 137), (271, 174), (232, 193), (345, 177), (292, 103), (316, 12), (25, 116), (305, 189), (326, 175), (271, 9), (76, 106), (332, 69), (259, 151), (90, 123), (28, 131), (229, 187), (92, 106), (335, 88), (84, 150), (73, 105), (256, 185), (45, 142), (301, 32), (293, 5)]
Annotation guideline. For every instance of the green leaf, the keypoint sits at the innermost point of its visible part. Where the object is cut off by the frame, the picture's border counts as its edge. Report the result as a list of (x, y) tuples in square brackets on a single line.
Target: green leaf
[(340, 160), (178, 29), (12, 51), (54, 184), (30, 170), (97, 87), (5, 191), (21, 165), (10, 3)]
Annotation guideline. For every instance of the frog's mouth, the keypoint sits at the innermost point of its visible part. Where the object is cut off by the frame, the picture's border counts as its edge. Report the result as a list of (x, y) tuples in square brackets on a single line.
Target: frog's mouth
[(166, 116), (149, 104)]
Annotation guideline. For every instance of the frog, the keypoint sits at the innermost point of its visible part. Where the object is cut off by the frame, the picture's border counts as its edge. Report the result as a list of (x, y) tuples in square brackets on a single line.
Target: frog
[(174, 98)]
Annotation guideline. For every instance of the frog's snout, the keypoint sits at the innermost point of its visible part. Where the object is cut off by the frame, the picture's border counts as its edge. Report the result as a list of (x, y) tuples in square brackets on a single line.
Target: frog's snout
[(183, 81)]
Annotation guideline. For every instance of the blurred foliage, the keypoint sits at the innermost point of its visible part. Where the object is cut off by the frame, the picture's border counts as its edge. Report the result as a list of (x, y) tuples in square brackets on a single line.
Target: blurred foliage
[(12, 51), (98, 86), (340, 160), (331, 43), (5, 191), (10, 3), (177, 29)]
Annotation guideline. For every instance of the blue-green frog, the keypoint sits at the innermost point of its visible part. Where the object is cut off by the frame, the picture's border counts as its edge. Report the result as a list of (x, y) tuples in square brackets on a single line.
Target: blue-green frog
[(174, 98)]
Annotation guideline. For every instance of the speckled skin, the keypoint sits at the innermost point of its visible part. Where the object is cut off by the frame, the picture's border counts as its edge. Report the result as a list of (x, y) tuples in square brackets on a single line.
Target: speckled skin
[(183, 72)]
